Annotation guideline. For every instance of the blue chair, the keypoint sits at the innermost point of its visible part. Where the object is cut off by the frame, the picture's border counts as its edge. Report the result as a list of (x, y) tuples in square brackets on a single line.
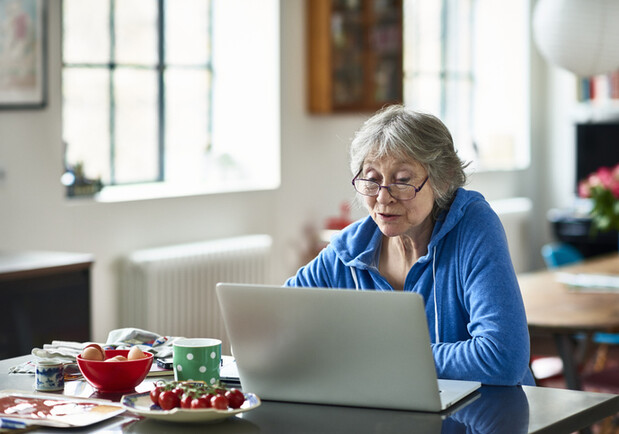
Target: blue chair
[(558, 254)]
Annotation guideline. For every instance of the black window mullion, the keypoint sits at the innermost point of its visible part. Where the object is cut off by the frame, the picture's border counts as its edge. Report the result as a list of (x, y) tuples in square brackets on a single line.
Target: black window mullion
[(472, 72), (443, 67), (212, 78), (112, 108), (161, 89)]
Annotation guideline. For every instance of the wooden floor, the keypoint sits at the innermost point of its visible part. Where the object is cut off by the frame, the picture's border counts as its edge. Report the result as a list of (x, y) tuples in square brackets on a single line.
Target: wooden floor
[(591, 365), (542, 346)]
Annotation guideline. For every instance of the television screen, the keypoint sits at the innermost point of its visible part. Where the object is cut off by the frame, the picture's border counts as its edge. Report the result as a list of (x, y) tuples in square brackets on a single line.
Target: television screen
[(597, 145)]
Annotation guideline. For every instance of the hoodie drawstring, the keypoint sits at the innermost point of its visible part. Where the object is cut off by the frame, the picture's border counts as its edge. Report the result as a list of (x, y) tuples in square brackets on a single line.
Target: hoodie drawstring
[(436, 337), (354, 277), (353, 272)]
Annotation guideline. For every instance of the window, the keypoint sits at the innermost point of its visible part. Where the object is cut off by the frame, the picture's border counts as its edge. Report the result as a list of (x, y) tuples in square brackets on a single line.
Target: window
[(142, 97), (467, 62)]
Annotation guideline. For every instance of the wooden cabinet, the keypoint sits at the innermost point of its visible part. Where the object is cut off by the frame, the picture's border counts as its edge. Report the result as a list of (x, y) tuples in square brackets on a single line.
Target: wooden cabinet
[(46, 296), (354, 54)]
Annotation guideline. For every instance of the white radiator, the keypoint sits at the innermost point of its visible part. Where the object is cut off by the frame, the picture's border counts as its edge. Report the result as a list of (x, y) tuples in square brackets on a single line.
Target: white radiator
[(171, 290), (515, 214)]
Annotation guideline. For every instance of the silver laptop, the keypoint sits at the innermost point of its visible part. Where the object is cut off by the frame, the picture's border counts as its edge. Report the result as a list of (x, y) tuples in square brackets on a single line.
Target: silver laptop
[(335, 346)]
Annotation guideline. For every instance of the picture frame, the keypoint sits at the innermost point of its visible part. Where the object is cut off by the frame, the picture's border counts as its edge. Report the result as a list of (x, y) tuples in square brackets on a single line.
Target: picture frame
[(23, 54)]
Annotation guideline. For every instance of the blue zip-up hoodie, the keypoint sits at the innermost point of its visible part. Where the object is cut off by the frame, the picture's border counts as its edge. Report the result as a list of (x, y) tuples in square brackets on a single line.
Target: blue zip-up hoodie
[(476, 316)]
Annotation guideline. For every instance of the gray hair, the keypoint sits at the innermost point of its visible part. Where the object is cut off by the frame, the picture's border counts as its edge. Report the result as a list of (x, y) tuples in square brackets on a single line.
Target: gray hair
[(400, 132)]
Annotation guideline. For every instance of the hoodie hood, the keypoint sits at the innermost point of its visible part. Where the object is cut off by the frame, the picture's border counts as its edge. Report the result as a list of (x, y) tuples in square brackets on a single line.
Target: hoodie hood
[(452, 216)]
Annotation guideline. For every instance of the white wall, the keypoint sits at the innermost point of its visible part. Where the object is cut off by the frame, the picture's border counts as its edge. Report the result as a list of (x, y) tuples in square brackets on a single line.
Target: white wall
[(35, 215)]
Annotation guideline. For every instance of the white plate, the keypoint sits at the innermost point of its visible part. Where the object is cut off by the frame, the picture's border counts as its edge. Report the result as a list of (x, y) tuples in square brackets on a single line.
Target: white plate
[(141, 404)]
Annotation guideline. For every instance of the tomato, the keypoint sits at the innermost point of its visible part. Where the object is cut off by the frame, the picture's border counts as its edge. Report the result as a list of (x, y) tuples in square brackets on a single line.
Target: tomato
[(188, 395), (168, 400), (235, 398), (201, 402), (219, 402), (154, 394), (186, 401)]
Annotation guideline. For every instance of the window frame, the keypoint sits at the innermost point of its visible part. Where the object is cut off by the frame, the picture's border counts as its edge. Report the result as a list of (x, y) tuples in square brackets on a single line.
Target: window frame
[(466, 129), (160, 68)]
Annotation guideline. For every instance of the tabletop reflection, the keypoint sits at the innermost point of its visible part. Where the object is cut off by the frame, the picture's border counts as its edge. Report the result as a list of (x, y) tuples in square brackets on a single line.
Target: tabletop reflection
[(493, 409)]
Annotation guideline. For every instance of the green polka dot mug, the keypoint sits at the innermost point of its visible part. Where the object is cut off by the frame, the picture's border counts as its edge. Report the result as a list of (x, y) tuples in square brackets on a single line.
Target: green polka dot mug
[(197, 359)]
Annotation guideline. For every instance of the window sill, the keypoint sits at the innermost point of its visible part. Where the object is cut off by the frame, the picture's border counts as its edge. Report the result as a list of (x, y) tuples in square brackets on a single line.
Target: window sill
[(153, 191)]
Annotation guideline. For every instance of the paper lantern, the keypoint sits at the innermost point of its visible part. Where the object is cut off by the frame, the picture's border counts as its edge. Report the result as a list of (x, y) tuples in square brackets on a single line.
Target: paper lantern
[(581, 36)]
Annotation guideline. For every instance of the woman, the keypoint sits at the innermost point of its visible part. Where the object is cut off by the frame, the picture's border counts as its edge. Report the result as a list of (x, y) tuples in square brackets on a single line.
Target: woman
[(427, 234)]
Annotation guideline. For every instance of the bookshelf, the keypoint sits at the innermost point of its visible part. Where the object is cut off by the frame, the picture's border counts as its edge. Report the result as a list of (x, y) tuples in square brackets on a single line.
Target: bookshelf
[(599, 88)]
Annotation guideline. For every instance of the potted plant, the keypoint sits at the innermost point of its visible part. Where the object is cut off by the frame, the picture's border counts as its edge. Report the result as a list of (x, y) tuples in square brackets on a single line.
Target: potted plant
[(602, 187)]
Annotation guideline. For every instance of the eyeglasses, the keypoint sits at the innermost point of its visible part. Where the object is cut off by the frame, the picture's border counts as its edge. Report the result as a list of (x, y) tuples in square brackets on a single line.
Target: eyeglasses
[(397, 190)]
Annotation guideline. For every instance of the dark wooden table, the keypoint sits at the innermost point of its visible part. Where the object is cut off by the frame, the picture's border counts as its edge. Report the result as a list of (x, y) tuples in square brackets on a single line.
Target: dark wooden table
[(490, 410), (553, 308), (46, 296)]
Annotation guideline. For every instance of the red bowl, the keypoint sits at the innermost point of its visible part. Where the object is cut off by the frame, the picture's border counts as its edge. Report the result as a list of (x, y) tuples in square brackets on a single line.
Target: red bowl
[(115, 377)]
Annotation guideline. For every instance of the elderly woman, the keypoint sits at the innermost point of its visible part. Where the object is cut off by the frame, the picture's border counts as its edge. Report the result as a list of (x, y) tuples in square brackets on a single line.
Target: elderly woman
[(427, 234)]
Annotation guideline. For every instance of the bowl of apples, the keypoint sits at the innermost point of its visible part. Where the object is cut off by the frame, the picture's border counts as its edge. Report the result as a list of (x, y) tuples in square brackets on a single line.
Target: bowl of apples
[(114, 371)]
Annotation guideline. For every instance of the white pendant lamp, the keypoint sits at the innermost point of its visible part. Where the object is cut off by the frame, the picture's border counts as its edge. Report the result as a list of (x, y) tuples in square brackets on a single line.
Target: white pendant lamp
[(581, 36)]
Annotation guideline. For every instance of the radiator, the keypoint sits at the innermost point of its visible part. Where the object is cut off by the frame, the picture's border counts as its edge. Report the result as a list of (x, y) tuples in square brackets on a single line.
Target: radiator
[(515, 214), (171, 290)]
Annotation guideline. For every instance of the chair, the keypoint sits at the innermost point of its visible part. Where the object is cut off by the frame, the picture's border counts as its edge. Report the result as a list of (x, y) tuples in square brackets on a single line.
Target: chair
[(559, 254), (547, 369)]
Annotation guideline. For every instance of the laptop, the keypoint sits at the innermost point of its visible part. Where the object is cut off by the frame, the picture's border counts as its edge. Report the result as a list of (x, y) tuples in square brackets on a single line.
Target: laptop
[(335, 346)]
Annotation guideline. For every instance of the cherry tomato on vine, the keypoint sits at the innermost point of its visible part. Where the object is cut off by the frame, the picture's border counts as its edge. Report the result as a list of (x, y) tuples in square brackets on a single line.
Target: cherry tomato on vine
[(168, 400), (154, 395), (201, 402), (235, 398), (186, 401), (219, 402), (208, 398)]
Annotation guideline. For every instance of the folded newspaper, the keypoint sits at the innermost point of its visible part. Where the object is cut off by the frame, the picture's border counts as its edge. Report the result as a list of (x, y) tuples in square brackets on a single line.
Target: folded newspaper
[(119, 339)]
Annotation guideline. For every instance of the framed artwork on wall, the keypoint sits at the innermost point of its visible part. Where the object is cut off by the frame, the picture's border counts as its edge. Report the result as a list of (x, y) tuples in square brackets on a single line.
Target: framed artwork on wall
[(23, 81)]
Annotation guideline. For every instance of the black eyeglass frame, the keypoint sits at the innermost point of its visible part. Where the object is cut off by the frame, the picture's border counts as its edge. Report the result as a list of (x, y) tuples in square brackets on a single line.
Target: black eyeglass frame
[(388, 187)]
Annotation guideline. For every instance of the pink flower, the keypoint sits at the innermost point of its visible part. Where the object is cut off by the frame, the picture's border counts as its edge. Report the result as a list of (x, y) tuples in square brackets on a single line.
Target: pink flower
[(594, 180), (584, 189), (605, 175), (602, 186)]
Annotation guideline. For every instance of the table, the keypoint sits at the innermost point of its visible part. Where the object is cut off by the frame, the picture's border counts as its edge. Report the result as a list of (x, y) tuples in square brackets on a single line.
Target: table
[(492, 409), (46, 296), (552, 308)]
